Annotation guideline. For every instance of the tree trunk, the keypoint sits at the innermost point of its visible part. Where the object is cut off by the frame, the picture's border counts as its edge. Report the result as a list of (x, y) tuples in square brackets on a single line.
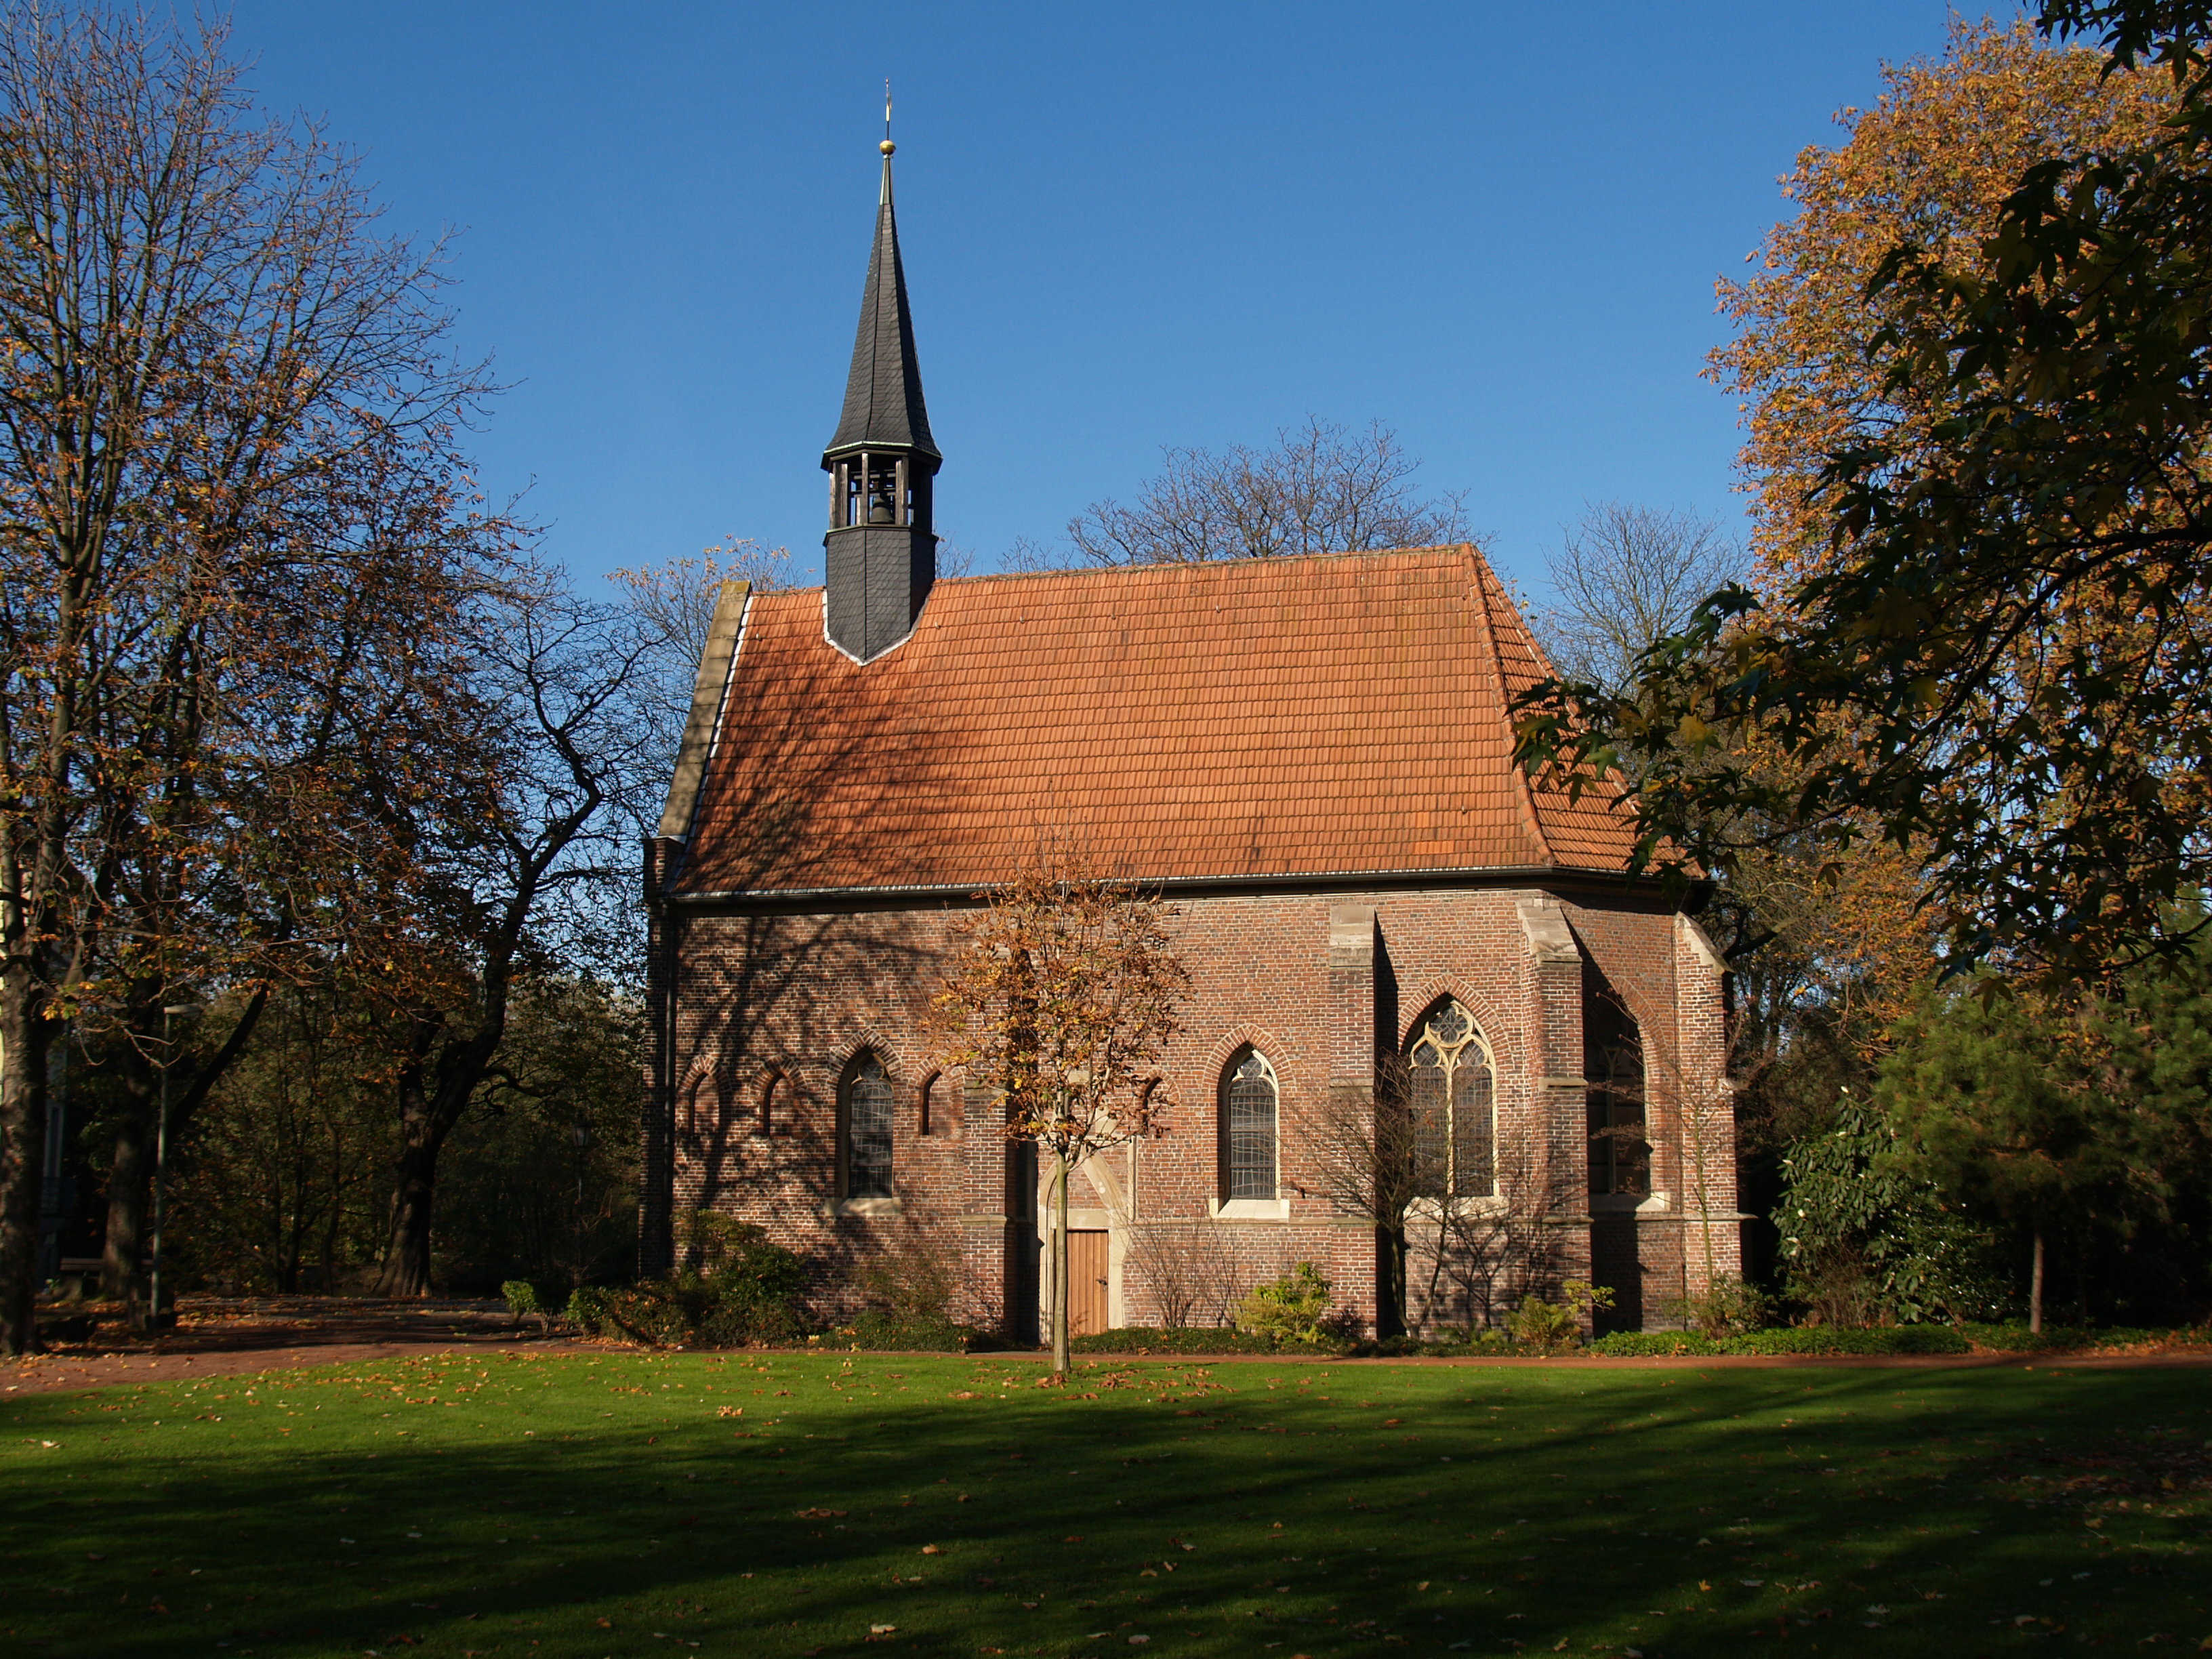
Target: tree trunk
[(131, 1172), (427, 1113), (24, 1035), (130, 1181), (1059, 1364), (2035, 1287), (407, 1261), (1389, 1281)]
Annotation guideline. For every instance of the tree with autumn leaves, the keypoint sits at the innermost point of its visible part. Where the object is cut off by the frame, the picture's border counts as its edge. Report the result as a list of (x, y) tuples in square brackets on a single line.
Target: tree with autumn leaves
[(283, 703), (1977, 627), (225, 403), (1063, 997), (1969, 659)]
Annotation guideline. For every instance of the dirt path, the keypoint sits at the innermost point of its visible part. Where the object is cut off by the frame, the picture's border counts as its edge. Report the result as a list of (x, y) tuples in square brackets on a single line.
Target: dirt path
[(231, 1337)]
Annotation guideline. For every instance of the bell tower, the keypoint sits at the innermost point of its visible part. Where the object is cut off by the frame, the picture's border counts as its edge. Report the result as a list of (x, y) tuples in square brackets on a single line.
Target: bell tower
[(880, 554)]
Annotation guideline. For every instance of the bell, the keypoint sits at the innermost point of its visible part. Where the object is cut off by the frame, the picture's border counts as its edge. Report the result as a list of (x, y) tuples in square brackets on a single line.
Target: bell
[(879, 510)]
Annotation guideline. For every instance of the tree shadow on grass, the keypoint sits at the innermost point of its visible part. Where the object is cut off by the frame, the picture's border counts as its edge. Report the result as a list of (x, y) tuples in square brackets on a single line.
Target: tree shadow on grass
[(1077, 1506)]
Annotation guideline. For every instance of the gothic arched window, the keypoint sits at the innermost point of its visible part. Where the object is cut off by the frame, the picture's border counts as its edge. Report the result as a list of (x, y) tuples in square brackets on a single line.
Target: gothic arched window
[(1620, 1154), (1450, 1098), (1249, 1103), (868, 1123)]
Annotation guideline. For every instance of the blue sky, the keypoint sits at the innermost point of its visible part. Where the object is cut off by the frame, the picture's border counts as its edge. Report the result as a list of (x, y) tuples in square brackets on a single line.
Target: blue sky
[(1495, 226)]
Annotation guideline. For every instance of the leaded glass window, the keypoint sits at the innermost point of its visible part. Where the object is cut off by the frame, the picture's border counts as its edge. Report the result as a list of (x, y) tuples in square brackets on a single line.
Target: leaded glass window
[(1449, 1096), (1620, 1156), (868, 1113), (1248, 1120)]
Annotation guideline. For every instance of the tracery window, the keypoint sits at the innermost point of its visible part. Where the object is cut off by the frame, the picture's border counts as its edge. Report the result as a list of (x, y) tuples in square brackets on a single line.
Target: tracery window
[(1250, 1101), (1620, 1154), (868, 1113), (1452, 1104)]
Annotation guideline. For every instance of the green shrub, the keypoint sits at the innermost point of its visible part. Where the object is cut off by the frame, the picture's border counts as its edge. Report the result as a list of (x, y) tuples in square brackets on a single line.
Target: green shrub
[(1729, 1307), (1624, 1344), (892, 1332), (743, 1289), (1549, 1326), (651, 1313), (2016, 1338), (1835, 1340), (1495, 1345), (1796, 1339), (1143, 1339), (1289, 1309), (1863, 1241), (521, 1298)]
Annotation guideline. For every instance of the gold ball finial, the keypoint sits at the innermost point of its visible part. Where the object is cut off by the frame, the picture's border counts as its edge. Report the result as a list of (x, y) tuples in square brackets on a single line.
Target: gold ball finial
[(887, 147)]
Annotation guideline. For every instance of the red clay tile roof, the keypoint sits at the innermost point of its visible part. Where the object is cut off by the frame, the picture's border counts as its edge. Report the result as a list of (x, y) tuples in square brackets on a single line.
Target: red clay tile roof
[(1278, 717)]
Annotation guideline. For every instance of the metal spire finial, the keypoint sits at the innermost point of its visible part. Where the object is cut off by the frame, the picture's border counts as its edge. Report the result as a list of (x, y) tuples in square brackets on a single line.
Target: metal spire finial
[(887, 147)]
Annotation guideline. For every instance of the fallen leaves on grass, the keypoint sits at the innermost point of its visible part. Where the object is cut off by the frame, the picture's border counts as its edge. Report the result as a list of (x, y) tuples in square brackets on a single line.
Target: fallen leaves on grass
[(820, 1515)]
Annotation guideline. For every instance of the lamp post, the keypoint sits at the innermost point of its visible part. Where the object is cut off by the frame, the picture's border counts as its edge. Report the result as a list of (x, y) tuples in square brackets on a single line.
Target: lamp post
[(161, 1157)]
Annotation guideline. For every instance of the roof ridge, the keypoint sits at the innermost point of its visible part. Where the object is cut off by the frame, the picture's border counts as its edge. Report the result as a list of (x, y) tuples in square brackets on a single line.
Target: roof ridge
[(1485, 623), (1111, 572)]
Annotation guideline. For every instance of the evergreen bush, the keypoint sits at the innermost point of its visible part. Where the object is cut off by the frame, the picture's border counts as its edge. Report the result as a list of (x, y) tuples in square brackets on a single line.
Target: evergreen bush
[(1549, 1326), (1290, 1310), (743, 1289)]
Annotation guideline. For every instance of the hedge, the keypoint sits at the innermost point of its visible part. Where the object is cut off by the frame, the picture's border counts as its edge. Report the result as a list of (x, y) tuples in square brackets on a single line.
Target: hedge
[(1794, 1340), (1145, 1339), (2073, 1339), (886, 1333)]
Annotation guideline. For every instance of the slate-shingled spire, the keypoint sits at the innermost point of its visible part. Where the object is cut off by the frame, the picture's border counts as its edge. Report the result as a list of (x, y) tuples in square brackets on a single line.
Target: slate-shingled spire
[(881, 550)]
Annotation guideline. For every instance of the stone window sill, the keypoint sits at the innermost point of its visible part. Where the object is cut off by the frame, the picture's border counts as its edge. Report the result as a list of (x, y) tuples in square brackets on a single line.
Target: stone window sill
[(1628, 1203), (1431, 1210), (1249, 1209), (866, 1207)]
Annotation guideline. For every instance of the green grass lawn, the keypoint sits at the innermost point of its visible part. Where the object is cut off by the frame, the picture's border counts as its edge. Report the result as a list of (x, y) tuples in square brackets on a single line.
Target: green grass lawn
[(606, 1504)]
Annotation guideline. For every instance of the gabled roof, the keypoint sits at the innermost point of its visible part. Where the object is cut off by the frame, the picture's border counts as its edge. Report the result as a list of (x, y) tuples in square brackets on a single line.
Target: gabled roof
[(1252, 718), (882, 393)]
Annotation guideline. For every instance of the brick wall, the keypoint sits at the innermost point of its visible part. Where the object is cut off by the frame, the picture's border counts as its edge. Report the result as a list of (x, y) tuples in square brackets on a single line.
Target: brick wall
[(1324, 985)]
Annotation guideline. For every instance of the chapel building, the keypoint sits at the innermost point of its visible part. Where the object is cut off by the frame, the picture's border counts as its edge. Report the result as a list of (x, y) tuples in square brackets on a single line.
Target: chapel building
[(1312, 758)]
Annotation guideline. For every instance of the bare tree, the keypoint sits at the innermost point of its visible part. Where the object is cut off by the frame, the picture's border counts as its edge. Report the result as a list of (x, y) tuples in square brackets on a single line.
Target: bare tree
[(1064, 994), (675, 601), (1370, 1160), (1447, 1259), (533, 873), (1189, 1270), (215, 372), (1472, 1260), (1322, 488), (672, 605), (1625, 577)]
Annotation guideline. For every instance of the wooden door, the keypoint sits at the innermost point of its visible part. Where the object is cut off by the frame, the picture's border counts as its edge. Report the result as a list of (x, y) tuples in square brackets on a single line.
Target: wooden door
[(1086, 1282)]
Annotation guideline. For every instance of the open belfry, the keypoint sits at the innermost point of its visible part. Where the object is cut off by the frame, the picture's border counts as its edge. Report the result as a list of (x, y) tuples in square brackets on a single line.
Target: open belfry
[(1311, 760)]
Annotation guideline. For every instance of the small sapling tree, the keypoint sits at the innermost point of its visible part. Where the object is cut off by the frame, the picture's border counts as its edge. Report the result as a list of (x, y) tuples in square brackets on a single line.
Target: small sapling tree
[(1064, 995)]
